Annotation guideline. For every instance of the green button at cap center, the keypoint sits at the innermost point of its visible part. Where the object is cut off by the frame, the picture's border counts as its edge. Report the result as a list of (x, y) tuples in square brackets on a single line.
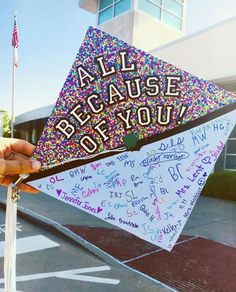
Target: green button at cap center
[(130, 141)]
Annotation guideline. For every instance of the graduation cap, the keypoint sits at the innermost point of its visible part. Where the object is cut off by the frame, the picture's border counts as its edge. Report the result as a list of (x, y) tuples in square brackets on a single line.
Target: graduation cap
[(132, 139)]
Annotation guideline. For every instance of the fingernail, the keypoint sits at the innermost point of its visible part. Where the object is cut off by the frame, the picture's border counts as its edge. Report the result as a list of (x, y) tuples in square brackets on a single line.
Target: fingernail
[(36, 164)]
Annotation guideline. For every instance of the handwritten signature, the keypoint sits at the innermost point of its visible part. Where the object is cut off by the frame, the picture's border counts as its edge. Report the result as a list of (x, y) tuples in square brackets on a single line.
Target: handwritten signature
[(161, 157), (172, 144)]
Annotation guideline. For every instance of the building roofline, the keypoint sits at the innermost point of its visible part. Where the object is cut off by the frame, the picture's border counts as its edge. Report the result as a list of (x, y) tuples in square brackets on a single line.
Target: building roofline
[(36, 114), (90, 6)]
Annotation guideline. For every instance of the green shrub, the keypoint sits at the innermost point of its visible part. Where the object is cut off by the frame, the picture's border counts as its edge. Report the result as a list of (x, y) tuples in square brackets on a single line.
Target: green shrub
[(221, 185)]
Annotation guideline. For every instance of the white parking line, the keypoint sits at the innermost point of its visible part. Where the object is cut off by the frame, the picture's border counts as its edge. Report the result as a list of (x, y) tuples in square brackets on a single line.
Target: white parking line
[(3, 227), (71, 275), (29, 244), (2, 290)]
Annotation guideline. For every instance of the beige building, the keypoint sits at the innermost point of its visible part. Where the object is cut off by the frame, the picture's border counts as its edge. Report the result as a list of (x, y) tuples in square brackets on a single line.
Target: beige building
[(209, 54), (146, 24), (158, 26)]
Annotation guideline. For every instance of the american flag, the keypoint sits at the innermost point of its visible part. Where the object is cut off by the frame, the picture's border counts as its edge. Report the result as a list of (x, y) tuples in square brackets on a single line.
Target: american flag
[(15, 42)]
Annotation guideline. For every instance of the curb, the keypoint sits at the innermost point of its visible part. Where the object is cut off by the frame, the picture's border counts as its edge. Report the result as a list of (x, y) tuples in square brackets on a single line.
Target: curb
[(71, 237)]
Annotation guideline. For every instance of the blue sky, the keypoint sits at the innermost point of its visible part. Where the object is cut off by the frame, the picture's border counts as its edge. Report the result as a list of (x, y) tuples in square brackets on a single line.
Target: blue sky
[(50, 34)]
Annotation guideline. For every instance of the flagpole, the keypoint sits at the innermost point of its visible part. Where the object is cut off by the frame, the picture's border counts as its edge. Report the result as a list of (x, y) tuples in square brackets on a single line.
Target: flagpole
[(11, 206), (13, 95), (14, 63)]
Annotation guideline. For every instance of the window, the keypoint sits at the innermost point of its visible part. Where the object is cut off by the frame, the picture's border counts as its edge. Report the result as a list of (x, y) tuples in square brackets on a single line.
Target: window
[(233, 134), (230, 157), (231, 146), (111, 8), (168, 11), (150, 7), (173, 7), (230, 162)]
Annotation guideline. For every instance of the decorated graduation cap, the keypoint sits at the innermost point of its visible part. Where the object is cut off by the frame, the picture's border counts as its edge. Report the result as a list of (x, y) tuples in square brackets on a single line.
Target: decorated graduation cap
[(132, 139)]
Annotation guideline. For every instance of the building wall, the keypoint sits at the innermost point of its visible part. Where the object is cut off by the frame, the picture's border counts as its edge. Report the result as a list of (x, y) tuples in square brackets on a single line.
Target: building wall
[(140, 29), (29, 125), (227, 159), (209, 54), (116, 26), (30, 130), (150, 33)]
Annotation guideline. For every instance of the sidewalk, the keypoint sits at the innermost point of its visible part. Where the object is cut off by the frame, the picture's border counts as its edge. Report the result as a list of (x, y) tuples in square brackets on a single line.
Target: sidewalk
[(209, 260)]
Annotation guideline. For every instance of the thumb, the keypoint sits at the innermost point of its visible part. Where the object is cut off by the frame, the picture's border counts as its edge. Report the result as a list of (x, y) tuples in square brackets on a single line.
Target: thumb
[(10, 167)]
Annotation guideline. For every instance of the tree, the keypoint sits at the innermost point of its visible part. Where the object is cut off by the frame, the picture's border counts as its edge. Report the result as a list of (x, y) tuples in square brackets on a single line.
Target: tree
[(6, 125)]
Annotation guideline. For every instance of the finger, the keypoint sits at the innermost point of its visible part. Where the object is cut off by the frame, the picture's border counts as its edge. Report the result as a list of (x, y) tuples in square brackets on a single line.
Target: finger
[(21, 146), (14, 177), (28, 189), (23, 187), (18, 156), (1, 150), (9, 167), (5, 148), (1, 178)]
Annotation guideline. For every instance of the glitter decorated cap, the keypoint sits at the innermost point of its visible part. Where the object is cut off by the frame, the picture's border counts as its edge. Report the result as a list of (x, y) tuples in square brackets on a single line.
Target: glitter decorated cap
[(132, 139), (114, 91)]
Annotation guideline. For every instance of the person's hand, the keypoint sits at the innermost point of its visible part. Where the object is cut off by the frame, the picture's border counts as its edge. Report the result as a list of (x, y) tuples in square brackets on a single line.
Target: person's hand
[(14, 160)]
